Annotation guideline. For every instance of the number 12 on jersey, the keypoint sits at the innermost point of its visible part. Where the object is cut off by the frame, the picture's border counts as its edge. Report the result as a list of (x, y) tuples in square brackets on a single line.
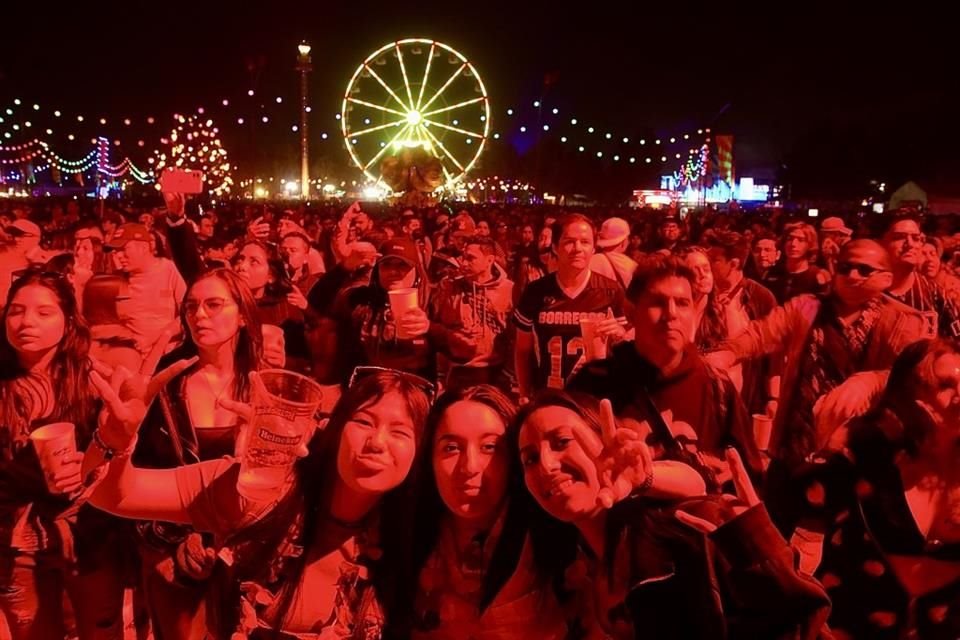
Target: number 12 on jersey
[(555, 351)]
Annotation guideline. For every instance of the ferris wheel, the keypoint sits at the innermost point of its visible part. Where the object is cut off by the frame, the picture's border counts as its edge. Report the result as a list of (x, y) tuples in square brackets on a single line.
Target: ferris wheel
[(416, 93)]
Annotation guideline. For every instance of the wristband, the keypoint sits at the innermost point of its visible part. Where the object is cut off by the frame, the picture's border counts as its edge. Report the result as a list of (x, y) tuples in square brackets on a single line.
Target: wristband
[(109, 453), (645, 485)]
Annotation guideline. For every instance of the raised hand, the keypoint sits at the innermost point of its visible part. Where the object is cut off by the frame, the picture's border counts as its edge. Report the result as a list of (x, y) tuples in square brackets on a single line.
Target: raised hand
[(746, 495), (127, 395), (176, 204), (259, 229), (297, 299), (624, 461)]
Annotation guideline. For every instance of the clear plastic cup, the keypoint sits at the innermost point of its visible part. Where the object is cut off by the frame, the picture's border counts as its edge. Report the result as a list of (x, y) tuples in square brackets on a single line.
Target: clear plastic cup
[(284, 418), (594, 346), (52, 442), (401, 301), (762, 429)]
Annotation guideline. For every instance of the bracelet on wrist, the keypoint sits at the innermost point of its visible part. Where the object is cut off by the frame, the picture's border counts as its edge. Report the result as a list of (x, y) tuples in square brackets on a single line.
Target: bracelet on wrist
[(108, 452), (645, 485)]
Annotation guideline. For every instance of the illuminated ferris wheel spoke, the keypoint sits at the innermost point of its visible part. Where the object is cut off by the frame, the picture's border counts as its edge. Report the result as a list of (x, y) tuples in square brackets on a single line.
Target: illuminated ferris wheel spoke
[(383, 84), (383, 149), (445, 85), (437, 142), (459, 105), (426, 74), (364, 132), (472, 134), (377, 106), (406, 81), (448, 98)]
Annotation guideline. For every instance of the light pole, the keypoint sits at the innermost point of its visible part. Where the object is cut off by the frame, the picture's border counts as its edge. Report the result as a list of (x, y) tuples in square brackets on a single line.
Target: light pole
[(304, 66)]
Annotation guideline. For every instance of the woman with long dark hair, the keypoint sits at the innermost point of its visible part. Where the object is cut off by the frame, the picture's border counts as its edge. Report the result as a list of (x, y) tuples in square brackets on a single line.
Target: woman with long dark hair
[(883, 499), (278, 302), (48, 541), (640, 561), (187, 424), (481, 575), (330, 553)]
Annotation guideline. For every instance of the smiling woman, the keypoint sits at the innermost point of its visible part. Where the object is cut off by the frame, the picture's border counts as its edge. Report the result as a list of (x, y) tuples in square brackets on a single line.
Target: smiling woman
[(631, 559), (475, 562), (331, 553)]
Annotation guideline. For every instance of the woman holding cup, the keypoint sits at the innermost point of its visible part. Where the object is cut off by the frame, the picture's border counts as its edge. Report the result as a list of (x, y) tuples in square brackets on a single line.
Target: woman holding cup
[(330, 553), (48, 542)]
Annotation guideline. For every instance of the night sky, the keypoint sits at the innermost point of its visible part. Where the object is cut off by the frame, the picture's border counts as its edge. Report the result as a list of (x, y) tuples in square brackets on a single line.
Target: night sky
[(825, 100)]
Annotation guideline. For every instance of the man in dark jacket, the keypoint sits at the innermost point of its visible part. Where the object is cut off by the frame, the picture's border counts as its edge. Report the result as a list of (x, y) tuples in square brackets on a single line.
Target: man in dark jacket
[(662, 366)]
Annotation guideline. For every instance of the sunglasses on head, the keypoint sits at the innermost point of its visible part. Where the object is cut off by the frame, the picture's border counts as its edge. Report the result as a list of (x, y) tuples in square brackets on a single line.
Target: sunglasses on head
[(21, 273), (428, 388), (865, 270)]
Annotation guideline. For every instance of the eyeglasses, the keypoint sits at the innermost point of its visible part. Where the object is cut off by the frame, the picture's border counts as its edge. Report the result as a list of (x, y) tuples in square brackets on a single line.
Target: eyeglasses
[(865, 270), (428, 388), (212, 306)]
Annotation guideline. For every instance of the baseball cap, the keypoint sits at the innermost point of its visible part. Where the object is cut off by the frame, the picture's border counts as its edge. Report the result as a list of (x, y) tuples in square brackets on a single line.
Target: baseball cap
[(23, 227), (399, 247), (613, 231), (463, 224), (834, 224), (667, 219), (127, 232)]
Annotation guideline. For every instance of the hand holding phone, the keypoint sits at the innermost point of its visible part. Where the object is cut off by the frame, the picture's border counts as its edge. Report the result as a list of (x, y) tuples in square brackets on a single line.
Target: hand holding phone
[(259, 229)]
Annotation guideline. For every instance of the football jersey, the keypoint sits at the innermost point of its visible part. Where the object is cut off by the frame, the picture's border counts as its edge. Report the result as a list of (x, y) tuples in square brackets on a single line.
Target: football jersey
[(554, 319)]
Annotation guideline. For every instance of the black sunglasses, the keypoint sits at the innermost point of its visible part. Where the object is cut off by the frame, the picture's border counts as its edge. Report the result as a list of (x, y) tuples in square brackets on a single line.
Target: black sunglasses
[(428, 388), (21, 273), (865, 270)]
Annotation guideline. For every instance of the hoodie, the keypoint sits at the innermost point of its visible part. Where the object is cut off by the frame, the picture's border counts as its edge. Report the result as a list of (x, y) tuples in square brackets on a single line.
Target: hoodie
[(484, 310)]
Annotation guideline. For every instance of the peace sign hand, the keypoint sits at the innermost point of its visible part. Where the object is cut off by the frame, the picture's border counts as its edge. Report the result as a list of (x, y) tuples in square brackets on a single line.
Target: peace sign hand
[(624, 462), (126, 395), (746, 495)]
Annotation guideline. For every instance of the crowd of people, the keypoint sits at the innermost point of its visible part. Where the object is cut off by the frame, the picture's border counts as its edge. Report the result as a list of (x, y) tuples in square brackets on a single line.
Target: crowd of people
[(535, 422)]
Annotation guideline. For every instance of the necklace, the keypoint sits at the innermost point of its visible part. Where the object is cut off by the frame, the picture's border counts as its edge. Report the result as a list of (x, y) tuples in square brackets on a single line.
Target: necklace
[(223, 389)]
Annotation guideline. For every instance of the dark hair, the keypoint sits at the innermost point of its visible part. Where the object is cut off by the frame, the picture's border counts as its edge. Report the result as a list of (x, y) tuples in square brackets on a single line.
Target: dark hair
[(249, 350), (766, 234), (430, 510), (913, 368), (555, 543), (889, 221), (101, 261), (69, 372), (279, 285), (734, 245), (654, 269), (565, 221), (487, 244), (316, 474)]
